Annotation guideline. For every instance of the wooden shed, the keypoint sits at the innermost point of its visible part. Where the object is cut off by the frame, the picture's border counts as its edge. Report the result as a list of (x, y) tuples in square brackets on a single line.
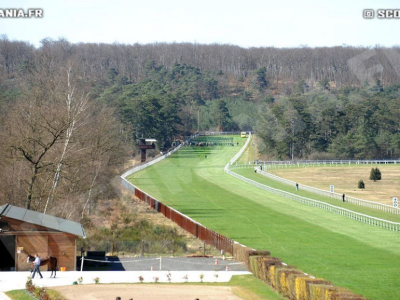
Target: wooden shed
[(24, 232)]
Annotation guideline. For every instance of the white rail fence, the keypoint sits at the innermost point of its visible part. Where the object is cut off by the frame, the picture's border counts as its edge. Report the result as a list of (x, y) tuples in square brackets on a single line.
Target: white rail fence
[(239, 154), (389, 225), (334, 209), (324, 163), (350, 199)]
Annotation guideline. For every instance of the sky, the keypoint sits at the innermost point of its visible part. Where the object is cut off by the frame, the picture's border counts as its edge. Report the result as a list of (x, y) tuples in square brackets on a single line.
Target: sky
[(246, 23)]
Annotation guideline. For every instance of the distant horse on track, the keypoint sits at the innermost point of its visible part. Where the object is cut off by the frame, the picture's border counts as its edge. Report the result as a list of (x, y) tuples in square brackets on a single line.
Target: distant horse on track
[(50, 261)]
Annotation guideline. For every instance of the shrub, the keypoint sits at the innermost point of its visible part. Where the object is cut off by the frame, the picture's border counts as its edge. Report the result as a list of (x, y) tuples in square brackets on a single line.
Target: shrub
[(271, 276), (292, 284), (249, 253), (301, 287), (96, 280), (36, 291), (141, 279), (375, 174), (285, 280), (266, 267), (28, 282), (241, 252), (378, 174), (361, 184)]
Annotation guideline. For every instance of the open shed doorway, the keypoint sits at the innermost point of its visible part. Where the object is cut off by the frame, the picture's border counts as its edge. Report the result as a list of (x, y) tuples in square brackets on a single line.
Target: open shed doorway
[(7, 253)]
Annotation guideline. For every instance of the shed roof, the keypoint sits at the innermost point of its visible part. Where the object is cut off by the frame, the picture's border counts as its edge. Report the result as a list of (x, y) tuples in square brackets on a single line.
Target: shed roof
[(34, 217)]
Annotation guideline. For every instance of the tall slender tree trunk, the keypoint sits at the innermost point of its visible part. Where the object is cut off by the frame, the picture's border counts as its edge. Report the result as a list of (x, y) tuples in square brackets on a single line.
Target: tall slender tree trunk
[(31, 185), (91, 188), (74, 113)]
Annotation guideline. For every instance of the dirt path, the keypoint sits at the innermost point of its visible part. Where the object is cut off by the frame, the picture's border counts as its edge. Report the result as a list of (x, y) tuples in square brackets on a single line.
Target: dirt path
[(146, 292)]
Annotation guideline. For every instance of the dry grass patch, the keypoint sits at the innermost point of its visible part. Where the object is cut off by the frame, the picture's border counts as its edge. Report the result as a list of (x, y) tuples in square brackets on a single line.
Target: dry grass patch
[(346, 178)]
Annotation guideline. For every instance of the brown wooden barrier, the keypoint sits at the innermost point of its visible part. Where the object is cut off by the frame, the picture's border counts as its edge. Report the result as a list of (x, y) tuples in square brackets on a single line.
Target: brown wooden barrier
[(208, 236)]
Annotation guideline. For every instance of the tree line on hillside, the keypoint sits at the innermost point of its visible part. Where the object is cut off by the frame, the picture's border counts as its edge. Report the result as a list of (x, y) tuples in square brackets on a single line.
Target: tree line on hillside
[(351, 123), (284, 66), (70, 114)]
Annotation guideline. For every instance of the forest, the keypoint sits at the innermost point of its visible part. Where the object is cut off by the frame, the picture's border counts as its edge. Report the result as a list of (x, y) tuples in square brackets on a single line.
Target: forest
[(70, 114)]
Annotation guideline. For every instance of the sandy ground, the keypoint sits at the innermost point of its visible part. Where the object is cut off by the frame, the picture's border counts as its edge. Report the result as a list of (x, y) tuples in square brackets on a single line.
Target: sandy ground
[(109, 289), (146, 292), (16, 280)]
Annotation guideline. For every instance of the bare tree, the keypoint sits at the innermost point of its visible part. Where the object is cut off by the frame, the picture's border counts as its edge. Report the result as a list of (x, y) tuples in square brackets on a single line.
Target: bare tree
[(76, 107), (34, 131)]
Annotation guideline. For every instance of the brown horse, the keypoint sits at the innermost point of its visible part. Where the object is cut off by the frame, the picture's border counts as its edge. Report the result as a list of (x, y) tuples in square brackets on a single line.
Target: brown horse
[(50, 261)]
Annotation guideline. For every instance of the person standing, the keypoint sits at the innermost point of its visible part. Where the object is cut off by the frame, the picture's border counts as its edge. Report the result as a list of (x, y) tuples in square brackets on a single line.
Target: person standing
[(36, 266), (297, 186), (343, 197)]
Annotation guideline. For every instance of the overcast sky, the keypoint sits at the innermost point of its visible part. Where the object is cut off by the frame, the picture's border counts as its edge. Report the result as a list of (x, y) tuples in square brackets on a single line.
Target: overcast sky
[(247, 23)]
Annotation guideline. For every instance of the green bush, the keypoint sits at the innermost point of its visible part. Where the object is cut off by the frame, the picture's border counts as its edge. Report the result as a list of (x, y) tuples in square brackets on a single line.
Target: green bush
[(375, 174), (361, 184)]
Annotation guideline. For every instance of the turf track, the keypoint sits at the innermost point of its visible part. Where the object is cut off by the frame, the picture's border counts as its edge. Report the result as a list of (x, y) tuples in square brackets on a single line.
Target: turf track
[(364, 258)]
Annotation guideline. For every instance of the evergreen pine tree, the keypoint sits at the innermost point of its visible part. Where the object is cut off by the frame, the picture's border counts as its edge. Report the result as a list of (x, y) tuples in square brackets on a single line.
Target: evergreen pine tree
[(375, 174), (378, 174), (361, 184), (372, 175)]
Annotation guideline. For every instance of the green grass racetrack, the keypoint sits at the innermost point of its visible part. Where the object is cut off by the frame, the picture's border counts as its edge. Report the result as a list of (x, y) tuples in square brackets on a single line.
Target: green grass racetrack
[(358, 256)]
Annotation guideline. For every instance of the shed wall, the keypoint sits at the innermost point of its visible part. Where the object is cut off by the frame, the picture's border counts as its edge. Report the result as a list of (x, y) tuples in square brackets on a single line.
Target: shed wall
[(32, 244)]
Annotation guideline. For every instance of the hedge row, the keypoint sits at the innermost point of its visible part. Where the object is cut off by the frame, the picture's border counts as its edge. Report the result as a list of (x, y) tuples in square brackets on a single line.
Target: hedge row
[(288, 280), (36, 291)]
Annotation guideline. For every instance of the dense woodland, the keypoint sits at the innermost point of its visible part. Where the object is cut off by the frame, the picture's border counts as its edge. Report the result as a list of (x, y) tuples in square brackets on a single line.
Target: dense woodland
[(70, 114)]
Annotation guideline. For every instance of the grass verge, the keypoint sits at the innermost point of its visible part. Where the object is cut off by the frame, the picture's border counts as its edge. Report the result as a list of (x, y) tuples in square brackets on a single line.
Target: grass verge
[(19, 295), (248, 287), (23, 295)]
